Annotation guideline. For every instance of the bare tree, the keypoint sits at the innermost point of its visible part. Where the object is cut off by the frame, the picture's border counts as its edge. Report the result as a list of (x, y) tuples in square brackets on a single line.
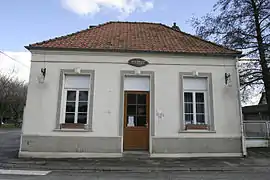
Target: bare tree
[(17, 100), (5, 84), (242, 25), (251, 83), (12, 97)]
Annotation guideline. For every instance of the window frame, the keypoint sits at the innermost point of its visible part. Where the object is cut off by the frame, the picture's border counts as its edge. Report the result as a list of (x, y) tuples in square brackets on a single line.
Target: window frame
[(62, 99), (208, 100), (194, 108), (77, 101)]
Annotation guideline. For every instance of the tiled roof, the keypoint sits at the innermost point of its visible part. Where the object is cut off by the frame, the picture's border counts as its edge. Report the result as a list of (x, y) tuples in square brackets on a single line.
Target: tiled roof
[(133, 37)]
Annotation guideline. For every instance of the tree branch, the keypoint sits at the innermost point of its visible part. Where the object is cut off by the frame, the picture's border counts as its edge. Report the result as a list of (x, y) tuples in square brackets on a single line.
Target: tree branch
[(265, 18), (252, 81), (265, 27)]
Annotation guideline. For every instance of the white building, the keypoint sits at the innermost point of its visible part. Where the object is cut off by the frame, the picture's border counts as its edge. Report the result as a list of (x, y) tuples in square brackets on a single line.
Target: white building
[(125, 86)]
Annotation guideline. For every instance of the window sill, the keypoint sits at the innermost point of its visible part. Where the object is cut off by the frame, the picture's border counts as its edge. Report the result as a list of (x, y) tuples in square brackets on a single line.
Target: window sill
[(71, 130), (203, 127), (70, 127), (197, 128), (196, 131)]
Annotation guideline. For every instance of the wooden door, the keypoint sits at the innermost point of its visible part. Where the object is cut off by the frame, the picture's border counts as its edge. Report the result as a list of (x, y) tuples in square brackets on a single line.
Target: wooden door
[(136, 120)]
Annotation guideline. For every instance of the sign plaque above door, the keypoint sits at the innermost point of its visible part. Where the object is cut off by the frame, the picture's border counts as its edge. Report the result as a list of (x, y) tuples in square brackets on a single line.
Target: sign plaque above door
[(137, 62)]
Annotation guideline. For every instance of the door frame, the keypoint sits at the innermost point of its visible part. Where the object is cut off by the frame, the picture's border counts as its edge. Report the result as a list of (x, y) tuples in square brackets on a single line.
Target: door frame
[(137, 128), (151, 76)]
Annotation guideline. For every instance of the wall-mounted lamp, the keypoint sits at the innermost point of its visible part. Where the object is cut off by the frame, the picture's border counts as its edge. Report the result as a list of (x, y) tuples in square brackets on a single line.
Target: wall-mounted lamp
[(43, 72), (228, 80), (41, 77)]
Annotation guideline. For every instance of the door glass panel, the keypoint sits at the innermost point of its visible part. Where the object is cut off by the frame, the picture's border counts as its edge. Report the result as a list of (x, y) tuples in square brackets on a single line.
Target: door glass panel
[(131, 121), (141, 121), (131, 110), (69, 117), (141, 98), (141, 110), (131, 99), (136, 110)]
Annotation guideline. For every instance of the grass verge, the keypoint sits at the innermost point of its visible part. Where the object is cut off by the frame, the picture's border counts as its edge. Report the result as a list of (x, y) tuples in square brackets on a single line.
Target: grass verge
[(8, 126)]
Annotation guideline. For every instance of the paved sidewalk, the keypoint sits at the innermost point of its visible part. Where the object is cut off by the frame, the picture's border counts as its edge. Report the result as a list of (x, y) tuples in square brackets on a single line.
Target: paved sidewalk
[(259, 160), (142, 165)]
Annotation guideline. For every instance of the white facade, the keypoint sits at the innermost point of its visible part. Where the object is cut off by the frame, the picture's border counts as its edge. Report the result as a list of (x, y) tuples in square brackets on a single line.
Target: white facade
[(42, 99)]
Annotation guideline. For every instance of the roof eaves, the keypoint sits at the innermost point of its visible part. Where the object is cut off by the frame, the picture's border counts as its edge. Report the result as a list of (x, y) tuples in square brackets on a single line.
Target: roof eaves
[(130, 51)]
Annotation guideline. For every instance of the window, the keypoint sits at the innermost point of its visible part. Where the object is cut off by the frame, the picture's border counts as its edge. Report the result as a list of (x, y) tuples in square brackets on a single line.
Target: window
[(137, 105), (194, 107), (76, 99), (195, 104)]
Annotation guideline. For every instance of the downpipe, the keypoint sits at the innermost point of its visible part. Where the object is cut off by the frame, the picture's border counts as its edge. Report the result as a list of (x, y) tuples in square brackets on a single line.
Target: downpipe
[(244, 148)]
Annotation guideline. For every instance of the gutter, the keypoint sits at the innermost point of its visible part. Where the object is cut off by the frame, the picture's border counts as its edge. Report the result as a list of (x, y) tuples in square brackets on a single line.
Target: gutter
[(244, 148), (133, 51)]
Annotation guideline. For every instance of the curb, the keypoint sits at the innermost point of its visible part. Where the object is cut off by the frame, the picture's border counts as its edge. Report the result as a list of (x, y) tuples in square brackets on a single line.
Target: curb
[(133, 169)]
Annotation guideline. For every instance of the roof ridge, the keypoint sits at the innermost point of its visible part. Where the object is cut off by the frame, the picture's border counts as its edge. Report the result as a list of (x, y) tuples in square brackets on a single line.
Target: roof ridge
[(135, 22), (201, 39)]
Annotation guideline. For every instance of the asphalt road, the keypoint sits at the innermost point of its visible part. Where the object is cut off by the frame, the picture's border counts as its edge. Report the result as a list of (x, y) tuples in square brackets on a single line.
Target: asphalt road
[(146, 176), (9, 143)]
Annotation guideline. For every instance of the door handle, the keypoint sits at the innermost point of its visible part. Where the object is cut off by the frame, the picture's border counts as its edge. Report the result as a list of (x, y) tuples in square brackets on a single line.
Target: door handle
[(146, 125)]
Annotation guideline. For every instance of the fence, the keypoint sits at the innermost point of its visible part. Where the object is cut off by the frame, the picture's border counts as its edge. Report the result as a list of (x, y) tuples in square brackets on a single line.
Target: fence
[(257, 129)]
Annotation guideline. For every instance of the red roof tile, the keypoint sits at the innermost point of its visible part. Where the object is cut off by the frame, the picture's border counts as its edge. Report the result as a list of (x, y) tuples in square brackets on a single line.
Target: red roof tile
[(133, 36)]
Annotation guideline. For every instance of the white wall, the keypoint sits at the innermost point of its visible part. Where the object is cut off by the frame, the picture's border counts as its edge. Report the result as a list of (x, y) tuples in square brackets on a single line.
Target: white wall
[(40, 111)]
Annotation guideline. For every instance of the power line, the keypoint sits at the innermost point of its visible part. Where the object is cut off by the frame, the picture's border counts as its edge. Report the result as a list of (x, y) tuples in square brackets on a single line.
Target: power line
[(14, 59)]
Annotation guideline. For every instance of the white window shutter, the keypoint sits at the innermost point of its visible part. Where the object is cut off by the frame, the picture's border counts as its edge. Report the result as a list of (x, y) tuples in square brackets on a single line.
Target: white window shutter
[(199, 84), (74, 82), (136, 84)]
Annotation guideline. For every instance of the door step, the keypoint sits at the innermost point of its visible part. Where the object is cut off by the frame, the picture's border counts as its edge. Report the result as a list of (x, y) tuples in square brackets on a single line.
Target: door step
[(136, 154)]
